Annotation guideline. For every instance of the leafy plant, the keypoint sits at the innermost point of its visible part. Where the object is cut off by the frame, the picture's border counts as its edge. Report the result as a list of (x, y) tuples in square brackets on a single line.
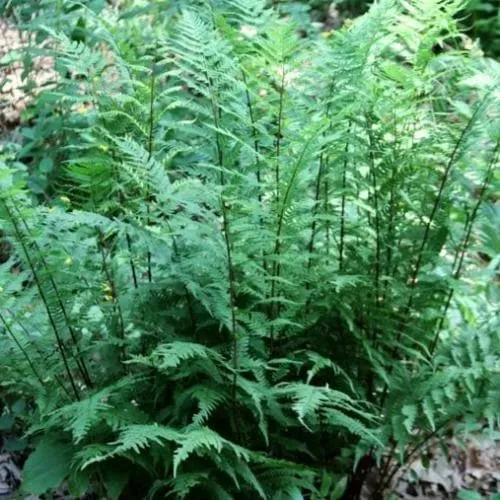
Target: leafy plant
[(244, 276)]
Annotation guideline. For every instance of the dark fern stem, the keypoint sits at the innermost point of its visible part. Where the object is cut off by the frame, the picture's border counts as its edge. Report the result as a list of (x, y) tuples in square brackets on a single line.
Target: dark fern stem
[(310, 246), (110, 280), (322, 170), (465, 244), (393, 242), (256, 148), (39, 352), (317, 192), (255, 139), (388, 473), (216, 116), (343, 199), (373, 172), (437, 204), (127, 237), (131, 261), (189, 301), (150, 154), (78, 359), (326, 208), (22, 349), (276, 268), (279, 133), (420, 254), (41, 292), (326, 185), (390, 227)]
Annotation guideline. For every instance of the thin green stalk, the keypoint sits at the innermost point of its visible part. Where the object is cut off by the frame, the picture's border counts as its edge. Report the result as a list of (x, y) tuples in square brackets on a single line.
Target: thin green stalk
[(276, 268)]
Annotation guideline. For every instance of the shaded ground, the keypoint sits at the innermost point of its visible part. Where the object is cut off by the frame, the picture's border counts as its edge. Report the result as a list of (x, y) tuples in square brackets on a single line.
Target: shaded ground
[(440, 473)]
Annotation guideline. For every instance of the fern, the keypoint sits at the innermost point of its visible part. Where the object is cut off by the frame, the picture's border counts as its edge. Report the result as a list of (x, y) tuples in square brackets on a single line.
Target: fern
[(196, 441), (239, 256)]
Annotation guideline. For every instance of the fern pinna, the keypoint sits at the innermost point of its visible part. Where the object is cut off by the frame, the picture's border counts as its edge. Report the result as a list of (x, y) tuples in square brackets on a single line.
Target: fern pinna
[(243, 279)]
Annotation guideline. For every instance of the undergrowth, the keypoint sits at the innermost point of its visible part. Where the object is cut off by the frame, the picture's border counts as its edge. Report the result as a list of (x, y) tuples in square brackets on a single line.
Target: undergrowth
[(243, 263)]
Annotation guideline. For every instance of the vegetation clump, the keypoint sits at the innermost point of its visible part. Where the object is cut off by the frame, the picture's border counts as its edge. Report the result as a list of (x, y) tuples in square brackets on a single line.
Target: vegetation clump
[(246, 263)]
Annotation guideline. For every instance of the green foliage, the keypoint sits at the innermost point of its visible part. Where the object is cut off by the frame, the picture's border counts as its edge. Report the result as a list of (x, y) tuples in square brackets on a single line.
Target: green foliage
[(245, 260), (482, 20), (479, 19), (47, 466)]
